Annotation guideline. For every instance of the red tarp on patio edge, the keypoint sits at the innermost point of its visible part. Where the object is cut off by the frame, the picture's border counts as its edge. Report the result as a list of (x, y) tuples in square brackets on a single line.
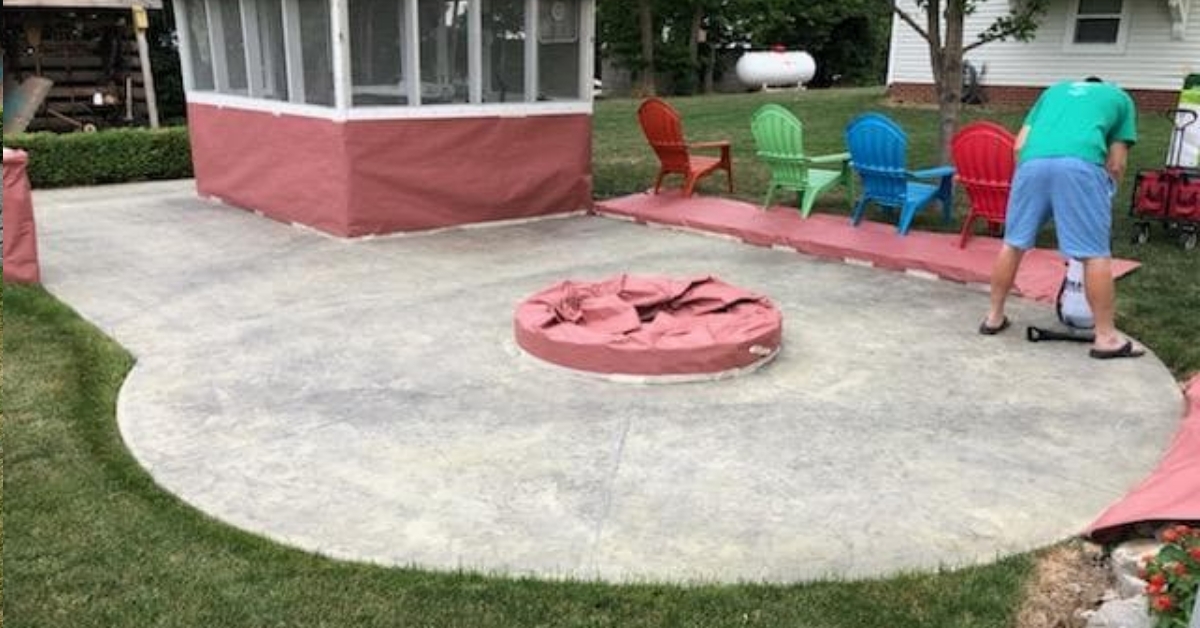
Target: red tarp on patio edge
[(20, 236), (1172, 492), (832, 236)]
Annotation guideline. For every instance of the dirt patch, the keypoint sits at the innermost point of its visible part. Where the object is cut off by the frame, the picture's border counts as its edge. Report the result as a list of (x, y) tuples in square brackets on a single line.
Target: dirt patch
[(1069, 579)]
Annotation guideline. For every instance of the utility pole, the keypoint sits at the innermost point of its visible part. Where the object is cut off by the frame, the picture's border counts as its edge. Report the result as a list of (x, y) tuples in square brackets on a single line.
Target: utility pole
[(141, 23)]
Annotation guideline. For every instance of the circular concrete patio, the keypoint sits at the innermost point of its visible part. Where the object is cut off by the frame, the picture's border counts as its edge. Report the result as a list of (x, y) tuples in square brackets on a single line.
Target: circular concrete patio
[(366, 400)]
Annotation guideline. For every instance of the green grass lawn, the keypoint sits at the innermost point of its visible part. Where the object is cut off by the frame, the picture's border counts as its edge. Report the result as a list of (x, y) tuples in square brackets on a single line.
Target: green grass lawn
[(1158, 304), (90, 540)]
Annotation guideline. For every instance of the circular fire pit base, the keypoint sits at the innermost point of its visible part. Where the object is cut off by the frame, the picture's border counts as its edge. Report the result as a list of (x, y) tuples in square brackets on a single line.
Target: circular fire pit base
[(650, 329)]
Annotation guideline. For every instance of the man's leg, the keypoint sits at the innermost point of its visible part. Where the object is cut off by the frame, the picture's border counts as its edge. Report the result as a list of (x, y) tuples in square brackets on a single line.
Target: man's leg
[(1004, 273), (1028, 208), (1101, 296), (1083, 214)]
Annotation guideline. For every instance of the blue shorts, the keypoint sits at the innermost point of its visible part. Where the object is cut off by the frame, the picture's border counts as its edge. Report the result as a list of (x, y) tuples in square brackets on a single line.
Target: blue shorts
[(1076, 193)]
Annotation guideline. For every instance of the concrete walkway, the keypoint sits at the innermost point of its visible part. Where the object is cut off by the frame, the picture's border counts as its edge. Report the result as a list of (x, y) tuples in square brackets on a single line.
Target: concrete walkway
[(366, 400)]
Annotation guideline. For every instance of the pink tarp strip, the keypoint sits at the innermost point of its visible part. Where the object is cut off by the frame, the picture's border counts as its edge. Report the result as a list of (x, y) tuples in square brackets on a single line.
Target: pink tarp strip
[(1172, 492), (290, 168), (639, 325), (831, 236), (20, 234), (362, 177)]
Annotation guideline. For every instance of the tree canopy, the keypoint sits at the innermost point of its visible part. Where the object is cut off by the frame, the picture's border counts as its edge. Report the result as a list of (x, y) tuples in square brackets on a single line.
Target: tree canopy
[(848, 38)]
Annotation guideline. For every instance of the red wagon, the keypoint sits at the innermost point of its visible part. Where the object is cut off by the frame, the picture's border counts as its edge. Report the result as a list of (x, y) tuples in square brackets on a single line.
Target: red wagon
[(1169, 195)]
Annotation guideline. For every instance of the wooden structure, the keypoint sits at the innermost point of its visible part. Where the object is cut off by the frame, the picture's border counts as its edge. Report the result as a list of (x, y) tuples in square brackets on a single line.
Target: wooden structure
[(89, 49)]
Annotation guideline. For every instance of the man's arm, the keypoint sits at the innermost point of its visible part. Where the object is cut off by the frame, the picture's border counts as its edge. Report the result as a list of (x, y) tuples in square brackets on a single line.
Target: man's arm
[(1118, 157), (1022, 135)]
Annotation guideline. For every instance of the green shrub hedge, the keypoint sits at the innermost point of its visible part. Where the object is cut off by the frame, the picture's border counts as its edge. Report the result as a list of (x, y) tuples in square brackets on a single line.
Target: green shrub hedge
[(110, 156)]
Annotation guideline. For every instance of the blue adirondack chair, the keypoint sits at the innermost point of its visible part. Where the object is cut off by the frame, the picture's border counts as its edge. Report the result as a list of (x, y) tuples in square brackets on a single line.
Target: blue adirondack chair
[(879, 154)]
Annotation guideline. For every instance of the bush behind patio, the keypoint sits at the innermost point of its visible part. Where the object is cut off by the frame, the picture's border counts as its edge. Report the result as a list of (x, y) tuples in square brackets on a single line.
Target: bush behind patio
[(110, 156)]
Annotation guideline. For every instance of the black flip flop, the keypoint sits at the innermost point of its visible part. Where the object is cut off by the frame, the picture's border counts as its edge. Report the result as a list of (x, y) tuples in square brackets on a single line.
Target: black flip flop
[(1124, 351), (992, 331)]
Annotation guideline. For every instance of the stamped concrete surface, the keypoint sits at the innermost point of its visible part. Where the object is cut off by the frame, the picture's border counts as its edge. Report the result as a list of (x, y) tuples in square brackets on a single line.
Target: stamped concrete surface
[(365, 400)]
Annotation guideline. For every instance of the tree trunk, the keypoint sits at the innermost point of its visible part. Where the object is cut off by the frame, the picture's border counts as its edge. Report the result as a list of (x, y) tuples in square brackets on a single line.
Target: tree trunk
[(950, 85), (646, 21), (694, 41), (710, 71), (933, 26)]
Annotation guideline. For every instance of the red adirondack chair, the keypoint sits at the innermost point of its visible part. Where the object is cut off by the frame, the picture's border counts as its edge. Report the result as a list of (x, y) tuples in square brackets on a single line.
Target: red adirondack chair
[(664, 130), (984, 162)]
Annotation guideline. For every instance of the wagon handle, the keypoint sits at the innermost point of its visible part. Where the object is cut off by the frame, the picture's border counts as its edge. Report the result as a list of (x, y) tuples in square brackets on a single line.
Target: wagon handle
[(1174, 115)]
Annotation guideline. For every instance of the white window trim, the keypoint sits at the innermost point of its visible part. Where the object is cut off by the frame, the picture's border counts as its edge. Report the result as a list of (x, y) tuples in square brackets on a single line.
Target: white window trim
[(343, 108), (216, 44), (339, 23), (412, 52), (475, 51), (587, 43), (398, 112), (253, 48), (1118, 47), (185, 46), (276, 107), (532, 70), (293, 50), (1179, 18), (465, 110)]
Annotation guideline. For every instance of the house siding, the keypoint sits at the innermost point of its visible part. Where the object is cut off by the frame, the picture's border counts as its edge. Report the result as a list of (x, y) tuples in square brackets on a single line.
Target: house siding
[(1151, 66)]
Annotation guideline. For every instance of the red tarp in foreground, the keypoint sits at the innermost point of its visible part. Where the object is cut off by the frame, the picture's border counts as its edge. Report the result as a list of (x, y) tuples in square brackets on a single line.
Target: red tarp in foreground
[(636, 325), (20, 237), (831, 236), (1172, 492)]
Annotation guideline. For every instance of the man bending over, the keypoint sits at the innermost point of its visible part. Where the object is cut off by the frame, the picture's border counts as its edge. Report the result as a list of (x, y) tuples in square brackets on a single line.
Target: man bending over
[(1072, 152)]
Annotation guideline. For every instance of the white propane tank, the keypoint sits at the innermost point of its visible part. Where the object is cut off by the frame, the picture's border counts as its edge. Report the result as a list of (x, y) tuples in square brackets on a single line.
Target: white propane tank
[(777, 66)]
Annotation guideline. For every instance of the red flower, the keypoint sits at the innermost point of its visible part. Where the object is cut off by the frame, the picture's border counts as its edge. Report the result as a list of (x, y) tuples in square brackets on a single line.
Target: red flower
[(1154, 588), (1162, 602), (1158, 579), (1194, 553), (1179, 568), (1170, 535)]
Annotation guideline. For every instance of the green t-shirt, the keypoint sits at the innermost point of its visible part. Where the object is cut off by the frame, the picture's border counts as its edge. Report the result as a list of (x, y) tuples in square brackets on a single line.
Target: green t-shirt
[(1079, 119)]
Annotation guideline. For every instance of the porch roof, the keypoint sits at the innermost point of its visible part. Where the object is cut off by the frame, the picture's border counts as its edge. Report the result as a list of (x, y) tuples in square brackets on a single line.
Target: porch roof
[(82, 4)]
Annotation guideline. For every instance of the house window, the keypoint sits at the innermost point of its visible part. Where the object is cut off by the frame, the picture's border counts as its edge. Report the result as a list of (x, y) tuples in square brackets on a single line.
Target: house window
[(316, 43), (377, 30), (444, 26), (558, 50), (504, 50), (198, 45), (396, 53), (234, 47), (1098, 22), (271, 53)]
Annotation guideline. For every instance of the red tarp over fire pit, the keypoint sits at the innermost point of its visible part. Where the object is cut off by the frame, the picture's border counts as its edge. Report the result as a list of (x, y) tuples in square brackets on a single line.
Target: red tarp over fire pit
[(648, 326)]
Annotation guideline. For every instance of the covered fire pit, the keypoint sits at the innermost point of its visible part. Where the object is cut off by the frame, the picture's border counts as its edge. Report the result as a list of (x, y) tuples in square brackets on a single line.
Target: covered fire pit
[(648, 327)]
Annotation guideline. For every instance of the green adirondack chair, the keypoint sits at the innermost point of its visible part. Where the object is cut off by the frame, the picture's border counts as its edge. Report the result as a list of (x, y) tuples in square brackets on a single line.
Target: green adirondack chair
[(779, 138)]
